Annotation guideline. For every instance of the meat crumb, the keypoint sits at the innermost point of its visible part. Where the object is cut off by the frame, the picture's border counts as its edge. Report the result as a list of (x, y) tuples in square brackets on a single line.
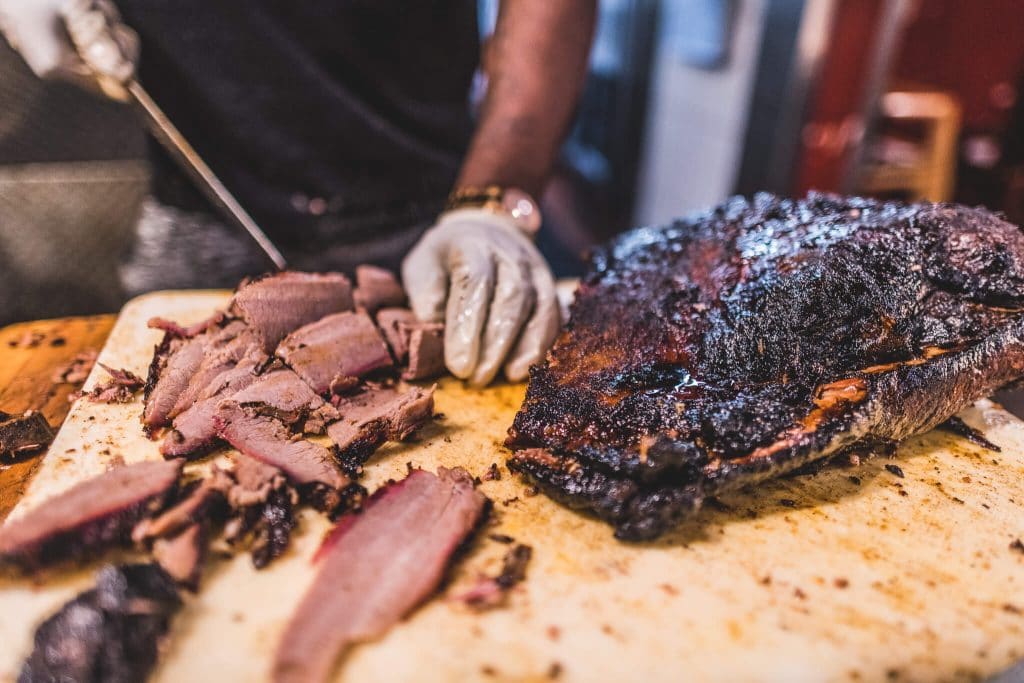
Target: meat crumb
[(509, 501), (1017, 545), (855, 480), (490, 592), (554, 633), (492, 473), (842, 583), (669, 589), (555, 670), (766, 580), (502, 538), (800, 594), (787, 502), (488, 670), (1012, 609), (895, 469)]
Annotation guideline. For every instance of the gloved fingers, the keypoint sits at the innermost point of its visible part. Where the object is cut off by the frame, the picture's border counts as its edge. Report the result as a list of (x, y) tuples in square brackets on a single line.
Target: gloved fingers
[(471, 288), (513, 300), (34, 30), (107, 46), (541, 329), (425, 278)]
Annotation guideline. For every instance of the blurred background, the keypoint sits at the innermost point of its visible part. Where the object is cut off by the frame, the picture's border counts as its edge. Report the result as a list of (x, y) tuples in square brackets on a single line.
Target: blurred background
[(687, 102)]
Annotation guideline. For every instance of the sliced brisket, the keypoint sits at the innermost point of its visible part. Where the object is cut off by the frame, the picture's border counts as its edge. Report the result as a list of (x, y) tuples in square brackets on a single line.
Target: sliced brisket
[(88, 517), (205, 500), (110, 634), (417, 345), (376, 567), (174, 363), (275, 305), (225, 348), (377, 288), (182, 555), (377, 415), (308, 465), (335, 351), (748, 341)]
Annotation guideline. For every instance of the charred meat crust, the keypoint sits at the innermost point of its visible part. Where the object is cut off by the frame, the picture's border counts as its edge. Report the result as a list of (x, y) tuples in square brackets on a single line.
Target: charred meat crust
[(761, 336), (109, 634)]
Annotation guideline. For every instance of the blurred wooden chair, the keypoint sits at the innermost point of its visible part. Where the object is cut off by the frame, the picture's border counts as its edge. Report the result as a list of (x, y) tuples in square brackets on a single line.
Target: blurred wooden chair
[(921, 170)]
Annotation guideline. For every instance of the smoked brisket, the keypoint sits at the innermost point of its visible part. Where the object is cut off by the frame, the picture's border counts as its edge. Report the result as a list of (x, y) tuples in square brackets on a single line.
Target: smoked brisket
[(745, 342)]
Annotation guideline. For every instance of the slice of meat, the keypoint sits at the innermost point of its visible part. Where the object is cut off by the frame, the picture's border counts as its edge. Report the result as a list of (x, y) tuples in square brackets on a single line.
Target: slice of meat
[(279, 393), (176, 330), (378, 415), (283, 394), (77, 369), (25, 433), (377, 288), (182, 556), (120, 388), (205, 501), (396, 323), (275, 305), (194, 429), (417, 345), (88, 517), (309, 466), (224, 350), (335, 350), (376, 567), (426, 352), (174, 363), (760, 336), (109, 634)]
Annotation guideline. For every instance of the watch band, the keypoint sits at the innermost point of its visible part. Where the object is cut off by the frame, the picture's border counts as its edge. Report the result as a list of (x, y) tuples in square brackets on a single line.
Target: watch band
[(510, 201)]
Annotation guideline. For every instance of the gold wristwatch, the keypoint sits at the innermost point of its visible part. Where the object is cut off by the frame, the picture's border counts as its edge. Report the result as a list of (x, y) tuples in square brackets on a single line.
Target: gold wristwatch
[(511, 201)]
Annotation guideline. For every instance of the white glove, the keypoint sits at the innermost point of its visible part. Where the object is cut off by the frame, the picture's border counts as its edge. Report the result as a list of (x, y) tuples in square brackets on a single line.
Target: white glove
[(476, 271), (46, 32)]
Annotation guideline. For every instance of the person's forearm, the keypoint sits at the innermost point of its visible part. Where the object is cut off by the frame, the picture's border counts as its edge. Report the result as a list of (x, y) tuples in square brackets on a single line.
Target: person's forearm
[(536, 64)]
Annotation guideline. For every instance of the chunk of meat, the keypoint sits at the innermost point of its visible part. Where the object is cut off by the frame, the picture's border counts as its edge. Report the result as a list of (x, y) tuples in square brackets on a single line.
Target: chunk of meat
[(25, 433), (748, 341), (308, 465), (182, 555), (88, 517), (378, 415), (377, 288), (265, 506), (174, 363), (376, 567), (109, 634), (335, 350), (275, 305), (426, 352)]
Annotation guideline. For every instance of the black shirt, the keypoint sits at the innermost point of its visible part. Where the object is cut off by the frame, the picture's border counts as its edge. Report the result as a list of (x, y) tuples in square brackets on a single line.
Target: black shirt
[(332, 121)]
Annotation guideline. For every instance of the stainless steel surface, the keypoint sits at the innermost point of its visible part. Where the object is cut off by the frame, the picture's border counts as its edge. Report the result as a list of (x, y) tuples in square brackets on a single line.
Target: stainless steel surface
[(168, 135)]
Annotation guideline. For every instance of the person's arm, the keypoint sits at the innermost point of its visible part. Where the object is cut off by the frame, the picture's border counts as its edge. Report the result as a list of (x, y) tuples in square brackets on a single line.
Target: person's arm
[(536, 63), (477, 268)]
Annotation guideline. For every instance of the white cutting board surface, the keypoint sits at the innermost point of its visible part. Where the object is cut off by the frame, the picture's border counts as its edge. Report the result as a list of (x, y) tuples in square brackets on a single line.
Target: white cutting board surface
[(891, 579)]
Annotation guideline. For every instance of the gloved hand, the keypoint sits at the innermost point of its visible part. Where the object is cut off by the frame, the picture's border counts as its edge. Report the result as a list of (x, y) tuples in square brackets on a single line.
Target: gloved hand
[(45, 33), (476, 271)]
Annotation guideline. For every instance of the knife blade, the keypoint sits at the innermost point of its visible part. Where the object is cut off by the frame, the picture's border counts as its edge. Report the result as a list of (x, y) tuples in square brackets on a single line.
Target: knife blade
[(171, 139)]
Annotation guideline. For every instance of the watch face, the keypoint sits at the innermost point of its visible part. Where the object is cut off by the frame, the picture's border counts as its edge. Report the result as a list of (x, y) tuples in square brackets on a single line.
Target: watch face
[(523, 209)]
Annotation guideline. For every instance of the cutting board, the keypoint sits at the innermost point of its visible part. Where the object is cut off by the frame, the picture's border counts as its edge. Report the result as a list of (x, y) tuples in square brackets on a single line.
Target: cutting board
[(851, 574)]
